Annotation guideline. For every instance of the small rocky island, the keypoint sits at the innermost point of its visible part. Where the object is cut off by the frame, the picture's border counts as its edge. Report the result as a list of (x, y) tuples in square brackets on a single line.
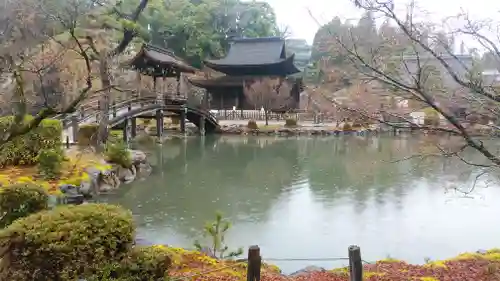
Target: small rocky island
[(106, 177)]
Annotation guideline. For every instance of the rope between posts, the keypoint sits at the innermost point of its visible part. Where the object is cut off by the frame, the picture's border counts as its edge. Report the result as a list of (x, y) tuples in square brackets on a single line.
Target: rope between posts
[(208, 271), (310, 259)]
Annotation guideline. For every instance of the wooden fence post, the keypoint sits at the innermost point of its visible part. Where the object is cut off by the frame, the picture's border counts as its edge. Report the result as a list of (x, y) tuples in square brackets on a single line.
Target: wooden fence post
[(355, 264), (114, 109), (254, 263)]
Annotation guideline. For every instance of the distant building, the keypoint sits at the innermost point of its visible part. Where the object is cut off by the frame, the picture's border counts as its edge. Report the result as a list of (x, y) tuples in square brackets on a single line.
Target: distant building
[(491, 77), (302, 52), (460, 64)]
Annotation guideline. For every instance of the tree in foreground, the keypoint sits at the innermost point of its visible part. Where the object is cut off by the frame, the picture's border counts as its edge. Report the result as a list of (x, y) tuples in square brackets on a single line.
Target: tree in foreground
[(40, 42), (416, 63)]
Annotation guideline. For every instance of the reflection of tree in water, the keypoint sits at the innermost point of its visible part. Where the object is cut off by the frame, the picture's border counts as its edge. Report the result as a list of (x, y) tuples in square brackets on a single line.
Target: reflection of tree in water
[(242, 181), (366, 169)]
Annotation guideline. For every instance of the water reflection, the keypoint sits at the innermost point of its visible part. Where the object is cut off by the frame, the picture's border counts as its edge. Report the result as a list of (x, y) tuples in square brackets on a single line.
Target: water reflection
[(323, 193)]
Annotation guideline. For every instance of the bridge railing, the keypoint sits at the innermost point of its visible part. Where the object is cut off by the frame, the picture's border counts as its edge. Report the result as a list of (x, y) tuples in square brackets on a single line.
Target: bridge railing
[(85, 113)]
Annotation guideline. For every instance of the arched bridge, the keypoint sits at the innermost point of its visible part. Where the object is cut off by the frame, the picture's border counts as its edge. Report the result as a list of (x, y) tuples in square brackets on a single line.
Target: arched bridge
[(145, 107)]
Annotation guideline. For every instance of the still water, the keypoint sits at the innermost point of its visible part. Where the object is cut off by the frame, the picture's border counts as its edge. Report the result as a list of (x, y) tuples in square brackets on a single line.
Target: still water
[(313, 197)]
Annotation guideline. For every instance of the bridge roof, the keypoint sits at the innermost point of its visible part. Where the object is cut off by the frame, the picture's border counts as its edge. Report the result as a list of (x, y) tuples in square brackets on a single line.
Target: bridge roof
[(159, 62), (255, 56)]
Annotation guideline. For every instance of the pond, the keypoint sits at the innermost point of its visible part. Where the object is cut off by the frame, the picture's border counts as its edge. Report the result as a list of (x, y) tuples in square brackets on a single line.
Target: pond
[(306, 198)]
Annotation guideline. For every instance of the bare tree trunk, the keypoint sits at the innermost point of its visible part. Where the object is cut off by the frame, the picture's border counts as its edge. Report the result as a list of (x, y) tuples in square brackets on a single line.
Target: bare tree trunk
[(266, 116), (105, 75)]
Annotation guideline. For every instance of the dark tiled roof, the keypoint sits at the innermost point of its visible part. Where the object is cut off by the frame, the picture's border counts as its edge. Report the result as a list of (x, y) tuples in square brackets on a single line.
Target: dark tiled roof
[(254, 51), (158, 59)]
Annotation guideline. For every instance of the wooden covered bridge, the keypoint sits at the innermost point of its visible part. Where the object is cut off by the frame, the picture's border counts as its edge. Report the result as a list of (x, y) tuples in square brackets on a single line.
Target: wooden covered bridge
[(158, 63)]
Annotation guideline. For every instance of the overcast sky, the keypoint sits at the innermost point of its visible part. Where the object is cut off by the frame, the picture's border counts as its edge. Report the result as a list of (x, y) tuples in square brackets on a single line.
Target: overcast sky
[(295, 15)]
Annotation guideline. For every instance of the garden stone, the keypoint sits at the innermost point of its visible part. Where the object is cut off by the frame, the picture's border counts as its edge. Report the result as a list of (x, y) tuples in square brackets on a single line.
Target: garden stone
[(86, 187), (308, 270), (69, 189), (138, 156), (74, 199), (72, 194), (107, 180), (143, 170), (126, 175)]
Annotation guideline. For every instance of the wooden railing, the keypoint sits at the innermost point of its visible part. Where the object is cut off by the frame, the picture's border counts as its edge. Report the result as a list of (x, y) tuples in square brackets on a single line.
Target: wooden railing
[(86, 113), (259, 115)]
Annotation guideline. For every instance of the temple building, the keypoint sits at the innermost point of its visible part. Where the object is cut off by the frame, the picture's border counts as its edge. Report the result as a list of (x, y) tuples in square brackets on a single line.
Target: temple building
[(248, 59)]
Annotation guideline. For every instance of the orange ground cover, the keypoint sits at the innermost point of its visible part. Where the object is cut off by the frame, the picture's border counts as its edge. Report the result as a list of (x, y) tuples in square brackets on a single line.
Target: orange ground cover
[(465, 267)]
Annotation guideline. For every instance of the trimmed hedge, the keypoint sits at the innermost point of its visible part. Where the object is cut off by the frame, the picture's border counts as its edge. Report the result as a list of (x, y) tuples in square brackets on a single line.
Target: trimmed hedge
[(290, 122), (21, 200), (252, 125), (23, 150), (115, 136), (87, 134), (66, 243), (117, 152), (50, 163), (346, 127)]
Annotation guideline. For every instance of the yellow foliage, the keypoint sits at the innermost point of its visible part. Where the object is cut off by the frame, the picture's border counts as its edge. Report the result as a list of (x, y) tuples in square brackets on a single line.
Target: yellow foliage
[(428, 279), (186, 262), (436, 264), (371, 274)]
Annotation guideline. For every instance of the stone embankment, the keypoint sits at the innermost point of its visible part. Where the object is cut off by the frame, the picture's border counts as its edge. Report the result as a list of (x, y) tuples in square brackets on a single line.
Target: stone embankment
[(291, 131)]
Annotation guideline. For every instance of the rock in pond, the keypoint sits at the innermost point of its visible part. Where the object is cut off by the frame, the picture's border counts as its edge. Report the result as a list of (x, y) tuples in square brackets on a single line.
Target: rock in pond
[(126, 175), (71, 194), (102, 180), (138, 156)]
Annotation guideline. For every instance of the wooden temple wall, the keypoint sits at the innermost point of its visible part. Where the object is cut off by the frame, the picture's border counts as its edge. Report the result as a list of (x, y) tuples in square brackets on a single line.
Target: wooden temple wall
[(228, 98)]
